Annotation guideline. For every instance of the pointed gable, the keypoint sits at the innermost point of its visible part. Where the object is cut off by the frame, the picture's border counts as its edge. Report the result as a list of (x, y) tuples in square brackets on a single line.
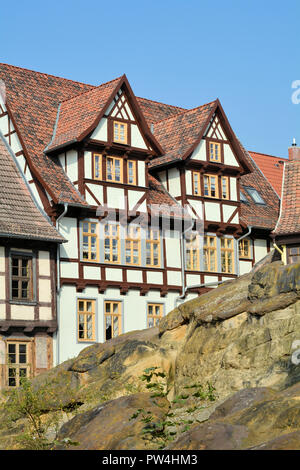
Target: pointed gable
[(81, 115)]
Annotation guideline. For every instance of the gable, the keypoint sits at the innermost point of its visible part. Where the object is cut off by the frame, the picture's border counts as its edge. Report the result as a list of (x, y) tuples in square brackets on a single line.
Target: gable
[(121, 111), (215, 133)]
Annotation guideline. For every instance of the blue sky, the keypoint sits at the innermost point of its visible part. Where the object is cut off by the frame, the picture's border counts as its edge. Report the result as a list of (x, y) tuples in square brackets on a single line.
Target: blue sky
[(185, 53)]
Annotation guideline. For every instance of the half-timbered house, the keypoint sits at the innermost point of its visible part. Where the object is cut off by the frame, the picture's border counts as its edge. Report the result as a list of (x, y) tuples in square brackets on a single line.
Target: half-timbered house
[(28, 253), (102, 162)]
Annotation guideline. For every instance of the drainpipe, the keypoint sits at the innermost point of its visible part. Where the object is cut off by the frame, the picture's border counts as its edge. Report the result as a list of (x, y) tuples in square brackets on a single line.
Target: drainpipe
[(58, 285), (183, 264), (238, 240)]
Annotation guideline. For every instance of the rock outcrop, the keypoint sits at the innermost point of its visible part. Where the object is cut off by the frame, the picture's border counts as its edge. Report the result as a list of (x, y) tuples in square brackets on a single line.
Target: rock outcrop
[(236, 339)]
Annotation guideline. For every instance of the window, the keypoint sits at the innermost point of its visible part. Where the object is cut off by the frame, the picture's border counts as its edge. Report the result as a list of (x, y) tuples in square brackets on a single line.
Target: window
[(21, 278), (210, 253), (243, 198), (225, 187), (133, 245), (192, 252), (154, 314), (196, 183), (90, 241), (97, 166), (214, 152), (293, 253), (86, 320), (18, 364), (211, 186), (131, 172), (245, 248), (113, 319), (114, 171), (153, 248), (227, 252), (120, 132), (111, 243), (255, 195)]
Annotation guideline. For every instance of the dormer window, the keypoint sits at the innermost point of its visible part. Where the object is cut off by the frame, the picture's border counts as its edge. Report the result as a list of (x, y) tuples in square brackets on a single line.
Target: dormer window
[(214, 152), (120, 132), (243, 198), (255, 195)]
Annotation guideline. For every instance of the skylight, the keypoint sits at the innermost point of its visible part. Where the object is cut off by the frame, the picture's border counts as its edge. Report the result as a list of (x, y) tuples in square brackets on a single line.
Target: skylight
[(255, 195), (243, 198)]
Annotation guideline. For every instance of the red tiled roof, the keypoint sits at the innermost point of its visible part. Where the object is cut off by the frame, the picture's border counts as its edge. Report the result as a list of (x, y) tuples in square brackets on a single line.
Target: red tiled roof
[(178, 133), (33, 100), (79, 114), (272, 168), (155, 111), (258, 215), (289, 220), (19, 214)]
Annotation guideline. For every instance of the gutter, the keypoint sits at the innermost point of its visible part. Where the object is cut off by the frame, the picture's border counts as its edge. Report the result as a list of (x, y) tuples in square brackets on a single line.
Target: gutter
[(66, 205), (238, 240)]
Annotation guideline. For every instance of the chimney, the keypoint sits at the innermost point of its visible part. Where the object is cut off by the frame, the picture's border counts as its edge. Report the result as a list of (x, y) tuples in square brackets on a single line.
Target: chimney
[(294, 151)]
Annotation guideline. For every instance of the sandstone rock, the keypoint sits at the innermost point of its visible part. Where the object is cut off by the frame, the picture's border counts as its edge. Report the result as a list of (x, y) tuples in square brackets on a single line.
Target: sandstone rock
[(112, 426)]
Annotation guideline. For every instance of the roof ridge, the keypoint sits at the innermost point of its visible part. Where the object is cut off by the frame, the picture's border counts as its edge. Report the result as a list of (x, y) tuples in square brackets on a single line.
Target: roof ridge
[(267, 155), (185, 111), (160, 102), (47, 74), (93, 89)]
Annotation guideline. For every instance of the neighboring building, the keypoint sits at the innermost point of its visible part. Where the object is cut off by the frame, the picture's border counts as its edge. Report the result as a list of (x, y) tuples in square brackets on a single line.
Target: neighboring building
[(271, 167), (287, 231), (89, 153), (28, 253)]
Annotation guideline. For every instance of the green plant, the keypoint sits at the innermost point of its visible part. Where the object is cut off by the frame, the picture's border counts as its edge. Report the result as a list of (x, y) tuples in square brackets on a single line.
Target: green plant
[(27, 405), (151, 376)]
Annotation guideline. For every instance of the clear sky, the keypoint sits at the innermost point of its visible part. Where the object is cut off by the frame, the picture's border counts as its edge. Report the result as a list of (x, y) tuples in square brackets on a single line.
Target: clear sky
[(185, 53)]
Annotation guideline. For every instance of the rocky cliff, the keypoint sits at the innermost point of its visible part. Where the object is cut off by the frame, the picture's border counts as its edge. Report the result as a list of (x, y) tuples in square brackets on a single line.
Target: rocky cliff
[(217, 374)]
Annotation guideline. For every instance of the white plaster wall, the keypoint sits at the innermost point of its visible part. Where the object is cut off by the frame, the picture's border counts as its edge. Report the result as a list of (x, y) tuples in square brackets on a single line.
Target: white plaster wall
[(197, 206), (72, 165), (134, 276), (133, 198), (212, 211), (68, 229), (45, 313), (141, 173), (173, 251), (134, 314), (2, 259), (91, 272), (174, 278), (136, 138), (260, 249), (188, 182), (88, 164), (15, 143), (100, 133), (115, 198), (45, 290), (113, 274), (154, 277), (22, 312), (245, 267), (227, 212), (229, 158), (208, 279), (233, 189), (200, 151), (68, 269), (44, 263), (97, 190), (174, 182), (163, 178), (193, 279)]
